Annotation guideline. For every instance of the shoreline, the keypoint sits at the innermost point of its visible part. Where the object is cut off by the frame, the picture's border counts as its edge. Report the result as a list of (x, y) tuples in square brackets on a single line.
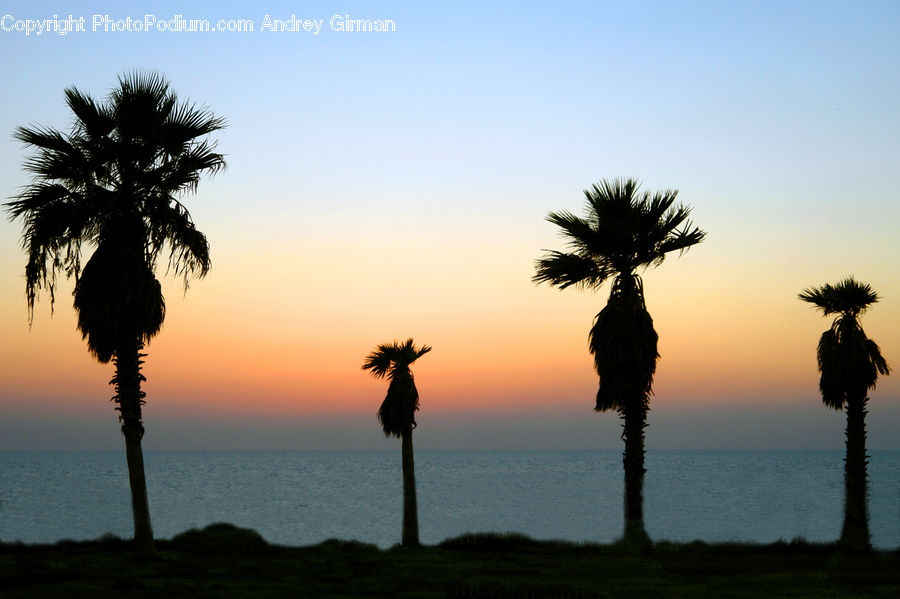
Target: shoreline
[(222, 560)]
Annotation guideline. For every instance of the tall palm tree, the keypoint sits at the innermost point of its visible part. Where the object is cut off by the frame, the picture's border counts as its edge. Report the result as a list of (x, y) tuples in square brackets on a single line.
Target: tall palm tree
[(113, 184), (849, 363), (623, 230), (397, 416)]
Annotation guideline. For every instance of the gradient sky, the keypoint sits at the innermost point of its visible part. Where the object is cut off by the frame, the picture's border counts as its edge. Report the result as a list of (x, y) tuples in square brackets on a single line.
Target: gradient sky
[(387, 185)]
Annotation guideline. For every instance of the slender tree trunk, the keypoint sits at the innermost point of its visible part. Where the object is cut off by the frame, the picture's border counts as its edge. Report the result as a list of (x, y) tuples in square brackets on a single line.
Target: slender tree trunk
[(410, 511), (129, 397), (635, 423), (855, 532)]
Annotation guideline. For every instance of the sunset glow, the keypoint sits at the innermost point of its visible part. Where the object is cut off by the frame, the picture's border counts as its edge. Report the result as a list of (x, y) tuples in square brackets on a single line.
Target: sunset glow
[(395, 184)]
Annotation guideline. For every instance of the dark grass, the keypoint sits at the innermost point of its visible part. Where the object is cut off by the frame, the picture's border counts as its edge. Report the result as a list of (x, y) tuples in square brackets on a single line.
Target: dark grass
[(223, 561)]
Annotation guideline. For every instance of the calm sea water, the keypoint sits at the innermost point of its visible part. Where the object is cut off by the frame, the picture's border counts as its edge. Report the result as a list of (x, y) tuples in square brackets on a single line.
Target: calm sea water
[(304, 497)]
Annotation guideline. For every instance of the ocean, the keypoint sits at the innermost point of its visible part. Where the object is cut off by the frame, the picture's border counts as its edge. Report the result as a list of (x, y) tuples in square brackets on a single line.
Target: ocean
[(305, 497)]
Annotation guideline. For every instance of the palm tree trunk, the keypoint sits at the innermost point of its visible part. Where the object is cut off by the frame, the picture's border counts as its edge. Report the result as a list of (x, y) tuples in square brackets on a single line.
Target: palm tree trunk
[(129, 397), (633, 461), (855, 532), (410, 511)]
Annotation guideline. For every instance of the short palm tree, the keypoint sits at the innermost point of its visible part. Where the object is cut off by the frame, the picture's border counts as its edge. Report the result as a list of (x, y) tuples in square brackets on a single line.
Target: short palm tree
[(622, 231), (113, 184), (849, 364), (397, 416)]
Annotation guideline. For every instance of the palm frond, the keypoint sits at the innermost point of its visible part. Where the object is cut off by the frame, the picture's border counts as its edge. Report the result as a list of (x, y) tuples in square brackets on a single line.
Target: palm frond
[(142, 83), (611, 197), (51, 237), (879, 364), (188, 121), (117, 174), (622, 229), (565, 270), (576, 231), (43, 138), (379, 361), (92, 119), (182, 173), (661, 213), (682, 240), (189, 248), (846, 297), (658, 209)]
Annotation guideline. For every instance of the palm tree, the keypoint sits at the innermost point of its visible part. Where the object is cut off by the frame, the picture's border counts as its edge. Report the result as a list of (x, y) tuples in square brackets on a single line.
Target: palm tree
[(397, 416), (849, 363), (113, 184), (623, 230)]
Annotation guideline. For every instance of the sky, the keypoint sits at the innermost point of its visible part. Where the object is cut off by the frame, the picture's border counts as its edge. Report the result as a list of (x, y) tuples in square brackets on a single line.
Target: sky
[(395, 184)]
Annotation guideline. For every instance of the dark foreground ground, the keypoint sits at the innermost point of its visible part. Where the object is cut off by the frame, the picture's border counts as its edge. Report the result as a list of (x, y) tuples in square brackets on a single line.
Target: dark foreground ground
[(222, 561)]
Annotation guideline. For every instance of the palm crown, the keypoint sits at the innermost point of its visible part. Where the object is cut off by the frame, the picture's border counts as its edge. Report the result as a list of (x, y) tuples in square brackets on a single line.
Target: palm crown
[(392, 360), (849, 362), (624, 229), (114, 182), (847, 298)]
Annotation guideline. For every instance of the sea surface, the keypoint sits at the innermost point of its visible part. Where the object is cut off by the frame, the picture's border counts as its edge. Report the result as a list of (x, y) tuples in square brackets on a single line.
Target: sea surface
[(304, 497)]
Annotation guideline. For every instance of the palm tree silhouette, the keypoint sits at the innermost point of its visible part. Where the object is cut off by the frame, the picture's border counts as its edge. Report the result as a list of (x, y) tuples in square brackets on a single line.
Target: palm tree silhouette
[(623, 229), (849, 363), (113, 183), (397, 417)]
